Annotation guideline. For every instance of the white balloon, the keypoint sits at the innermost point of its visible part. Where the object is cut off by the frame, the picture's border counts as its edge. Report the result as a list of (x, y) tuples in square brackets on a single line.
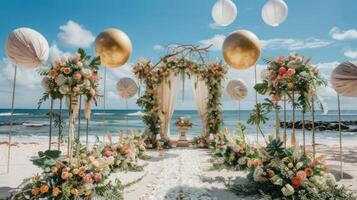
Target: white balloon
[(26, 47), (344, 79), (274, 12), (224, 12), (237, 89), (127, 88)]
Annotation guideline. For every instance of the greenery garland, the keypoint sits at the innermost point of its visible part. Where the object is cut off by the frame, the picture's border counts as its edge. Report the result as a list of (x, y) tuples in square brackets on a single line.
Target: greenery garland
[(177, 62)]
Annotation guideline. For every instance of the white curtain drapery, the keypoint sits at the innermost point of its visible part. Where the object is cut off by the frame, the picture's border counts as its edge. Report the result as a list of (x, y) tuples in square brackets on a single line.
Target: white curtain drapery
[(167, 95), (200, 95)]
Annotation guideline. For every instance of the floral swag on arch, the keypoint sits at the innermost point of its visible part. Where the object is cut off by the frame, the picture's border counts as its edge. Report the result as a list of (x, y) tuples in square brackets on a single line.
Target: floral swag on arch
[(182, 60)]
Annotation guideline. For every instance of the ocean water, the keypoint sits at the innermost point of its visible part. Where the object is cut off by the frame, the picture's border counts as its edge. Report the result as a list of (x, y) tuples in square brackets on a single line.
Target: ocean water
[(114, 121)]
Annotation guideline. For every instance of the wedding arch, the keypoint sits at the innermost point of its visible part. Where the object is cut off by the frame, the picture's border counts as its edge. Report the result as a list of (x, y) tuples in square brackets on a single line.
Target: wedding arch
[(161, 80)]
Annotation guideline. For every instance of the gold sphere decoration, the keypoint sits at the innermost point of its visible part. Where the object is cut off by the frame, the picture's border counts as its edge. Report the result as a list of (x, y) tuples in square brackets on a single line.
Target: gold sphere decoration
[(114, 47), (241, 49)]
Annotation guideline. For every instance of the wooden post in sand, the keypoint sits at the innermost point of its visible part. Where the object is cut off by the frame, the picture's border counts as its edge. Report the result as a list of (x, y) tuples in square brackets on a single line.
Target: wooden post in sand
[(340, 134)]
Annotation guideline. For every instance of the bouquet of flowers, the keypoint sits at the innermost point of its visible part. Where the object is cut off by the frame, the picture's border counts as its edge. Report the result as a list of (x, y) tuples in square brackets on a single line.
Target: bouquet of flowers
[(233, 152), (183, 122), (285, 75), (289, 174), (71, 76)]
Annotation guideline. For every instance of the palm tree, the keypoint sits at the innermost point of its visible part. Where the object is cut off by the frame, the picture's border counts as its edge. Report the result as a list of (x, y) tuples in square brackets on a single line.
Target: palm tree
[(259, 116)]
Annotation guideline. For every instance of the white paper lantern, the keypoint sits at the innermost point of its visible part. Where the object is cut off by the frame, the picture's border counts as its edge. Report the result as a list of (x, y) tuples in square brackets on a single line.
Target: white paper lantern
[(127, 88), (237, 90), (26, 47), (344, 79), (224, 12), (274, 12)]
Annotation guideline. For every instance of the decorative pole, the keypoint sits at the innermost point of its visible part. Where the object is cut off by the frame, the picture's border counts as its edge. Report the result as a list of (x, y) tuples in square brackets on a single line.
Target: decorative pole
[(293, 136), (50, 127), (256, 102), (87, 129), (104, 102), (79, 119), (126, 116), (284, 135), (277, 121), (313, 126), (11, 121), (239, 111), (340, 133), (60, 125), (303, 131), (70, 131)]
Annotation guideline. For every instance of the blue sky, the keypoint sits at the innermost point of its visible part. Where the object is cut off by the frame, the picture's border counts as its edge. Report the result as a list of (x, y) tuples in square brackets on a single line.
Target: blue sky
[(322, 29)]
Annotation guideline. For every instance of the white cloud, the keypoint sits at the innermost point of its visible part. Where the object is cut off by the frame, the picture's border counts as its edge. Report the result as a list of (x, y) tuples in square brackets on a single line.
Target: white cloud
[(351, 54), (158, 47), (216, 41), (215, 26), (75, 36), (56, 53), (293, 44), (338, 34)]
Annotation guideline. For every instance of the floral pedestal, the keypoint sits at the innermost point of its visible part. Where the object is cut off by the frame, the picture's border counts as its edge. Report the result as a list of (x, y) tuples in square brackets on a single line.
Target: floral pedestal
[(182, 142)]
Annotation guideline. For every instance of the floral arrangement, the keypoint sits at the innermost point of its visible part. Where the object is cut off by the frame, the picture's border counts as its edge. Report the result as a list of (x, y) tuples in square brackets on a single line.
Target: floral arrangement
[(183, 122), (287, 173), (153, 74), (87, 175), (200, 142), (71, 76), (233, 152), (288, 75)]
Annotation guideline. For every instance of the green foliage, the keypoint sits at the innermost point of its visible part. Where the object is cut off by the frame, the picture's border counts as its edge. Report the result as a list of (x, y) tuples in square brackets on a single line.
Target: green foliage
[(276, 148), (44, 98), (46, 159)]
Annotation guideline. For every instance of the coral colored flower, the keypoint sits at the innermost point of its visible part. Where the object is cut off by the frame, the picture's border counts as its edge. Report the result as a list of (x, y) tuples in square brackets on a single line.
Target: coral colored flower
[(87, 178), (66, 70), (107, 153), (291, 71), (296, 182), (44, 188), (53, 73), (97, 176), (56, 191), (309, 172), (78, 76), (64, 175), (301, 175), (35, 191), (282, 70)]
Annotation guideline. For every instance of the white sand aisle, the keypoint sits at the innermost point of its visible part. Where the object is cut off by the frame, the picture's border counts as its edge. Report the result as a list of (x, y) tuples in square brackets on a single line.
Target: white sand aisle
[(182, 174)]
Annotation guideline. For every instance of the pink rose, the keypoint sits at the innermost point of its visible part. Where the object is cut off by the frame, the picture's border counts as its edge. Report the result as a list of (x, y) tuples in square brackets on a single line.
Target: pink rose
[(87, 178), (301, 175), (78, 76), (107, 153), (97, 176), (282, 70), (291, 71)]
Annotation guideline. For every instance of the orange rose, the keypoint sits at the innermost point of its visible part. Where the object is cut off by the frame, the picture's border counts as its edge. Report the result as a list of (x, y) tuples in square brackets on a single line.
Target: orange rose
[(54, 169), (308, 172), (58, 165), (53, 73), (44, 188), (66, 70), (35, 191), (56, 191), (64, 175), (295, 182), (74, 191)]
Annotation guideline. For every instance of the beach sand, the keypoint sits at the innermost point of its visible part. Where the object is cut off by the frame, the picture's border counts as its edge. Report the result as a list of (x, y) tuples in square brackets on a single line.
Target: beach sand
[(167, 174)]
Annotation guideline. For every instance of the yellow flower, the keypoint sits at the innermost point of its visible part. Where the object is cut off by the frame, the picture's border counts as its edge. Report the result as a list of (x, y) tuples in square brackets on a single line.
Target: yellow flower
[(35, 191), (87, 193), (44, 188), (56, 191), (290, 165), (322, 173), (74, 191), (75, 171)]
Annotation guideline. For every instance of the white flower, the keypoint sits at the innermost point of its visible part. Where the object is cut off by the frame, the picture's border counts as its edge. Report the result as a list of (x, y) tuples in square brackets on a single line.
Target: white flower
[(65, 89), (319, 182), (257, 173), (287, 190), (330, 179), (45, 83), (299, 165), (86, 72), (265, 74), (242, 161), (60, 80)]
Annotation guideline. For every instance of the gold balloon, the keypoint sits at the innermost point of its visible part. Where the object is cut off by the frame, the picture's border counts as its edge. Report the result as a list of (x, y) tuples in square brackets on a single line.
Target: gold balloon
[(114, 47), (241, 49)]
